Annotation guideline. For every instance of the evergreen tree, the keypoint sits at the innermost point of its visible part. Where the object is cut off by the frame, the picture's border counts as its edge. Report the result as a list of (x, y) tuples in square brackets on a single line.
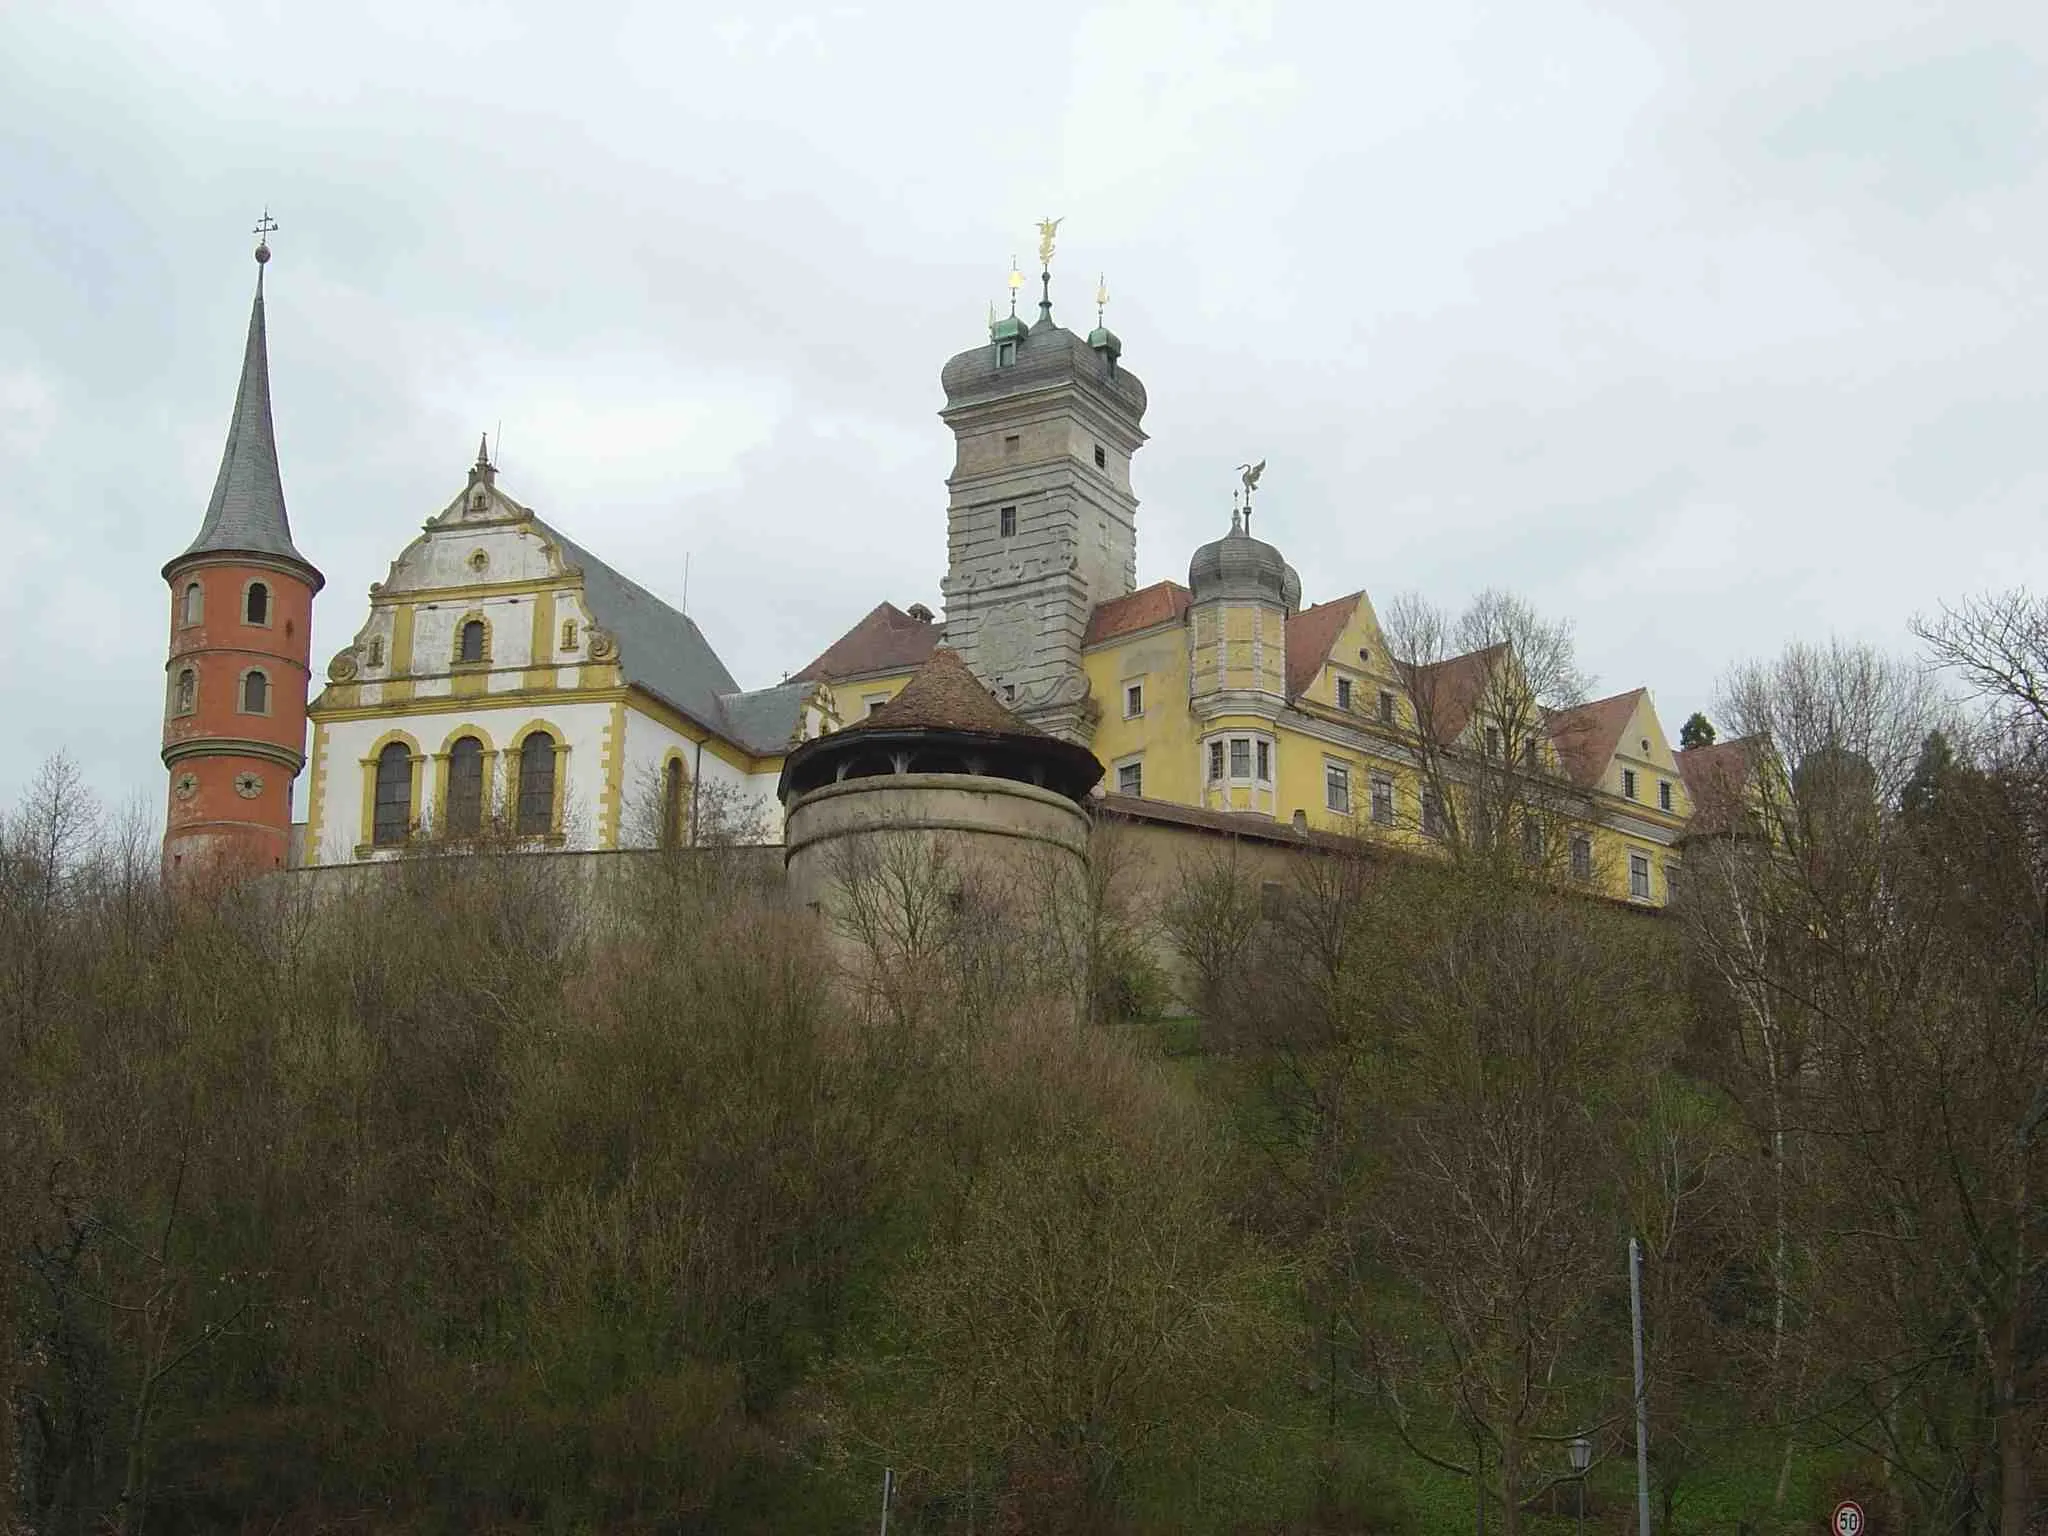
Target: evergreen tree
[(1698, 731)]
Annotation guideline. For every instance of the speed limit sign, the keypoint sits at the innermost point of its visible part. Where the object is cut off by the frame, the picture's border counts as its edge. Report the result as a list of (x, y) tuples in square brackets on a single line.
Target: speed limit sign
[(1848, 1519)]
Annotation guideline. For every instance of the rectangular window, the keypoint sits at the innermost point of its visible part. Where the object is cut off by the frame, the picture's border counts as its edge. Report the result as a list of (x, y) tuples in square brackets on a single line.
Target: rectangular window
[(1012, 445), (1628, 783), (1101, 458), (1130, 779), (1241, 757), (1582, 856), (1006, 353), (1337, 788), (1432, 814), (1265, 762), (1663, 794), (1343, 693), (1532, 840), (1671, 882), (1639, 876), (1493, 741), (1215, 762), (1007, 522), (1383, 800), (1529, 754), (1386, 707), (1134, 700), (873, 702)]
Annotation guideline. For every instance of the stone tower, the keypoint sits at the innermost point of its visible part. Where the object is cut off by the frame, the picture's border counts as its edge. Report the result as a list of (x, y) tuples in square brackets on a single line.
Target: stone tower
[(1041, 524), (241, 633)]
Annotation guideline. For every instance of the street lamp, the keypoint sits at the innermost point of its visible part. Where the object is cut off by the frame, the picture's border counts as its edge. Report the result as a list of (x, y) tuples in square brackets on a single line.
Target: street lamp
[(1582, 1457)]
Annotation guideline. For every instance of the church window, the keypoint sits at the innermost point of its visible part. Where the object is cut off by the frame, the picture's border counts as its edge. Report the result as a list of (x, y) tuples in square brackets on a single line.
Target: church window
[(1386, 706), (1663, 794), (1337, 788), (1006, 524), (1101, 458), (195, 602), (471, 647), (466, 787), (568, 634), (672, 804), (1432, 814), (1383, 799), (1639, 877), (537, 784), (1343, 693), (256, 604), (391, 815), (1241, 758), (255, 693), (1628, 783), (185, 697), (1215, 762), (1130, 779), (1134, 700), (1582, 856)]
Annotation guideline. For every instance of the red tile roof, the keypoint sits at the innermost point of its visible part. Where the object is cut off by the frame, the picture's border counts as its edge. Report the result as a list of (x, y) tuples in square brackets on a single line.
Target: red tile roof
[(1715, 777), (1445, 692), (944, 695), (1310, 634), (1585, 737), (887, 640), (1126, 615)]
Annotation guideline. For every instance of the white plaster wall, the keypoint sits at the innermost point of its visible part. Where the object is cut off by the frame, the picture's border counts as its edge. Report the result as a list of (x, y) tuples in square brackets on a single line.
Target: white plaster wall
[(440, 558), (580, 728), (648, 743)]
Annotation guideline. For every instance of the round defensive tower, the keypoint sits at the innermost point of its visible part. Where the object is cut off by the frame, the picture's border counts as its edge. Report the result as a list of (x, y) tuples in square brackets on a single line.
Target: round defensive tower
[(942, 761)]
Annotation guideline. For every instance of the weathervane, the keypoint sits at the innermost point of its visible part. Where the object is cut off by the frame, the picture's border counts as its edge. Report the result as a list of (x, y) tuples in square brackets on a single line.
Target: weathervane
[(1101, 298), (1016, 282), (1251, 483), (1047, 228)]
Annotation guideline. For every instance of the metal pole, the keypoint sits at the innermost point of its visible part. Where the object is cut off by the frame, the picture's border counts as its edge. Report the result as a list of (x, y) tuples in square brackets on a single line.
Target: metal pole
[(1635, 1306), (888, 1488)]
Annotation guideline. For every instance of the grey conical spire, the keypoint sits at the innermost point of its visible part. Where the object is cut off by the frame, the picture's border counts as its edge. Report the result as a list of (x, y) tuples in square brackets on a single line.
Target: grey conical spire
[(246, 514)]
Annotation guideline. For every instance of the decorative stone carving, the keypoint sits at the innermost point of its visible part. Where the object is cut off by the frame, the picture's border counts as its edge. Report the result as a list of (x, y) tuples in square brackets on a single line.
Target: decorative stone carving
[(1005, 640), (186, 786), (479, 561), (248, 785), (342, 668), (600, 645)]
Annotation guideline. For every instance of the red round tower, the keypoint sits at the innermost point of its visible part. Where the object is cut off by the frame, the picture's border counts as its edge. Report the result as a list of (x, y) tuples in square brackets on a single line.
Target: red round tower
[(241, 638)]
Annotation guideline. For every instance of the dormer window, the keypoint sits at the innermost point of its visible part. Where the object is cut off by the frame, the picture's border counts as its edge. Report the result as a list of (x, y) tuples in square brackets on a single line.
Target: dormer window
[(1006, 353)]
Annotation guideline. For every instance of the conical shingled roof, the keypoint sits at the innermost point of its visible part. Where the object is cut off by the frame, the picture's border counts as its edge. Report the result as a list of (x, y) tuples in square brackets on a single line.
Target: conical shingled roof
[(943, 695), (246, 514)]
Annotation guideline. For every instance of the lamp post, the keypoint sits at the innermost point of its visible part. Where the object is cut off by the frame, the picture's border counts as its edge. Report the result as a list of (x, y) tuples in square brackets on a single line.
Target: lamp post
[(1582, 1457)]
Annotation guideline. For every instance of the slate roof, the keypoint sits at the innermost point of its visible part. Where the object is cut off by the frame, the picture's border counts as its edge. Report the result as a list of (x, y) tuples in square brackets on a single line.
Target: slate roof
[(1126, 615), (1586, 736), (663, 651), (246, 514), (1445, 692), (1310, 634), (1716, 778), (944, 695), (886, 640)]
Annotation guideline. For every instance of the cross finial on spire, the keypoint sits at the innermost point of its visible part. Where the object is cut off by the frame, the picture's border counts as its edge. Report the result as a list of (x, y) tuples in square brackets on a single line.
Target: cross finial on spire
[(483, 450), (265, 228)]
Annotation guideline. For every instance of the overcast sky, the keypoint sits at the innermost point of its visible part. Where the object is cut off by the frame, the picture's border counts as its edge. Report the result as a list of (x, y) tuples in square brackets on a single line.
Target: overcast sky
[(1707, 325)]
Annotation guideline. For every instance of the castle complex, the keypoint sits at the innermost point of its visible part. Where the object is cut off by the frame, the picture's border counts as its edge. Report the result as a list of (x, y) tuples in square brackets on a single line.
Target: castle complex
[(507, 683)]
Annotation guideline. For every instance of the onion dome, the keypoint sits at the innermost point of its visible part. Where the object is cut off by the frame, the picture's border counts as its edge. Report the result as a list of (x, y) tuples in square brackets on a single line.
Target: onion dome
[(944, 721), (1019, 359), (1242, 567)]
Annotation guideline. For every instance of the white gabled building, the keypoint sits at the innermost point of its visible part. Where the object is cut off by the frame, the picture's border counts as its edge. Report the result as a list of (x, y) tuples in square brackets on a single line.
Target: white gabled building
[(509, 683)]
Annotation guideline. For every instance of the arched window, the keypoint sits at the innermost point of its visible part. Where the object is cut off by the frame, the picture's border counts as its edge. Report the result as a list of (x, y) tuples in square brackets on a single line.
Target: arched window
[(391, 817), (256, 606), (466, 787), (255, 693), (472, 648), (195, 603), (185, 695), (672, 804), (537, 784)]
